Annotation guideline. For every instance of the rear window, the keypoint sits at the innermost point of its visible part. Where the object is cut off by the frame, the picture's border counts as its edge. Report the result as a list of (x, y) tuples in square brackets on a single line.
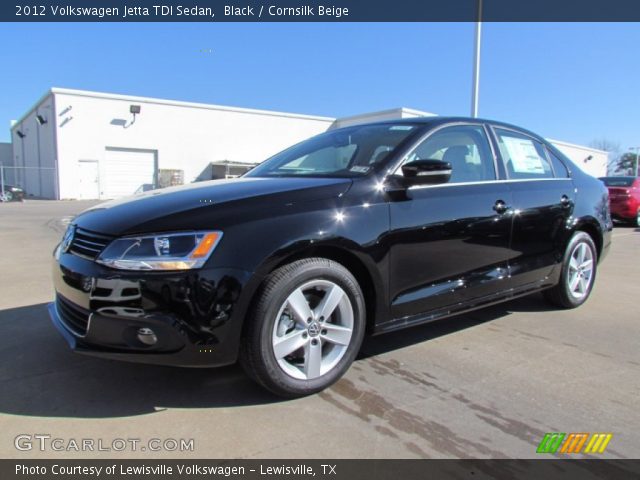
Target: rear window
[(558, 165), (618, 181)]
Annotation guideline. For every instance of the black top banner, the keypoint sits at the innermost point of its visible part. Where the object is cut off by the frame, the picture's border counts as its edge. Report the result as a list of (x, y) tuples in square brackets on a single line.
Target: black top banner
[(320, 11)]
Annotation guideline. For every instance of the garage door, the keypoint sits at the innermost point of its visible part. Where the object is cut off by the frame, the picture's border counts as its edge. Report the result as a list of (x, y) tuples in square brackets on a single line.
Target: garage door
[(124, 172)]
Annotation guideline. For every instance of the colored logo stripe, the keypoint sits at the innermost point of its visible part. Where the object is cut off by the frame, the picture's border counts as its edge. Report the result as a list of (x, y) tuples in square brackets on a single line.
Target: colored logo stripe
[(598, 443), (574, 443), (550, 442)]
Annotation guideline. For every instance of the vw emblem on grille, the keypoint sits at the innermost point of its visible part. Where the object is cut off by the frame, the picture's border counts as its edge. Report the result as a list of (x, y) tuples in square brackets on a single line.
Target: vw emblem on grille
[(67, 239), (314, 329), (87, 283)]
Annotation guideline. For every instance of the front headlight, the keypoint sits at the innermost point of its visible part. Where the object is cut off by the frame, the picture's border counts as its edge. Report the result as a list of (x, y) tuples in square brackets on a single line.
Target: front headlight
[(172, 251)]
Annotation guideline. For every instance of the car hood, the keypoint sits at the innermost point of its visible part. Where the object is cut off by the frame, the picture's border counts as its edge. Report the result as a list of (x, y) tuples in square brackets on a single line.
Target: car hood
[(194, 206)]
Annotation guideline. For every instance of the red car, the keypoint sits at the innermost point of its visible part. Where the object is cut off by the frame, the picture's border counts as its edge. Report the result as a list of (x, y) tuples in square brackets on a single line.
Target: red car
[(624, 198)]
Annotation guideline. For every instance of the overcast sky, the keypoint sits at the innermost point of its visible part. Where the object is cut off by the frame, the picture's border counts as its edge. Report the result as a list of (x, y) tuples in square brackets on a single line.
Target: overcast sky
[(574, 82)]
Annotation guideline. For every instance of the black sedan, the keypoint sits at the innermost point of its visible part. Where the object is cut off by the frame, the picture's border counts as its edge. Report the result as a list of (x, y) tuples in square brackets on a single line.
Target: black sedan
[(11, 193), (365, 229)]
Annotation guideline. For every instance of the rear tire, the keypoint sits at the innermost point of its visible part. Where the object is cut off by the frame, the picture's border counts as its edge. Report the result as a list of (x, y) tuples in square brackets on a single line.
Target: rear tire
[(578, 273), (305, 329)]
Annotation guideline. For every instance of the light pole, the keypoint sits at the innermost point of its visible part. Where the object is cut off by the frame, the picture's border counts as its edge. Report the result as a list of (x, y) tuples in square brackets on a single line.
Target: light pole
[(475, 87), (2, 182)]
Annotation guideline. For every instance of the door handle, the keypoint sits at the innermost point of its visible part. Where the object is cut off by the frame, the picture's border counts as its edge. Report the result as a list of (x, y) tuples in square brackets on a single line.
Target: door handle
[(565, 201), (500, 207)]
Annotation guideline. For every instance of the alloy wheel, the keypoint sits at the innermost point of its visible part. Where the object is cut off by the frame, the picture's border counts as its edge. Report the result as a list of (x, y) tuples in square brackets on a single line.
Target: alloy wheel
[(313, 329), (580, 273)]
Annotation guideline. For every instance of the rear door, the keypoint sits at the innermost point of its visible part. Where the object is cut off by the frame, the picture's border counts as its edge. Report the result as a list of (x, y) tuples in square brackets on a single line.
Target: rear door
[(542, 203)]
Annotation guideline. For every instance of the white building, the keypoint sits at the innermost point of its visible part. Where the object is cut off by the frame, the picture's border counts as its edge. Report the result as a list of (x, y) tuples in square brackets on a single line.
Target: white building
[(75, 144), (591, 160), (381, 116)]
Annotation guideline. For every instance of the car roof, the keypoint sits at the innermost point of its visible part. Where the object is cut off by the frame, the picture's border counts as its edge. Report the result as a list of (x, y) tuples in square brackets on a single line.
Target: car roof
[(437, 120)]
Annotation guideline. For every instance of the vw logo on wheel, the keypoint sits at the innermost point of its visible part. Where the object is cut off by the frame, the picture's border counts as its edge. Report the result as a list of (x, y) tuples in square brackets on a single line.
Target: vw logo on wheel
[(68, 238), (314, 329)]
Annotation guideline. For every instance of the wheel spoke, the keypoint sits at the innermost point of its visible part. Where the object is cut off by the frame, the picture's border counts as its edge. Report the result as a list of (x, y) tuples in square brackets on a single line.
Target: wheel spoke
[(587, 265), (288, 344), (573, 264), (299, 307), (336, 334), (575, 280), (312, 359), (583, 285), (329, 303)]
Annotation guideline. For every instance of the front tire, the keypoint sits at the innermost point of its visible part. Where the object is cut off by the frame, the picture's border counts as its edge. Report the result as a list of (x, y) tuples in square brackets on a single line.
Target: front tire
[(305, 329), (578, 273)]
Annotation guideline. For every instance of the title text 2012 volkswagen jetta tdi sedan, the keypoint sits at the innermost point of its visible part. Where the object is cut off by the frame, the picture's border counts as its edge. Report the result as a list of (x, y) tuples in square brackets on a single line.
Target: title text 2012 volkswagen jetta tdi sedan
[(369, 228)]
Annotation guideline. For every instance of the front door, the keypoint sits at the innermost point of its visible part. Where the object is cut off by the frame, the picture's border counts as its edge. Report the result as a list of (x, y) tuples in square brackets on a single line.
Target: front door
[(88, 184), (450, 242)]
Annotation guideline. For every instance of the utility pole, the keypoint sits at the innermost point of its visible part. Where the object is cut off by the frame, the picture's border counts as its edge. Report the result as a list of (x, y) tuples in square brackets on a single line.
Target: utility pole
[(476, 64), (2, 182)]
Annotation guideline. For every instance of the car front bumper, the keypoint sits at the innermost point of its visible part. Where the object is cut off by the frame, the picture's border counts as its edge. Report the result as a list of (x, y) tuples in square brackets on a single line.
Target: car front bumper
[(195, 317)]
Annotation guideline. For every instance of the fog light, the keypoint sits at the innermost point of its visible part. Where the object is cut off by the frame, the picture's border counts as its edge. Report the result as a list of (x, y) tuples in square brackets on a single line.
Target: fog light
[(147, 336)]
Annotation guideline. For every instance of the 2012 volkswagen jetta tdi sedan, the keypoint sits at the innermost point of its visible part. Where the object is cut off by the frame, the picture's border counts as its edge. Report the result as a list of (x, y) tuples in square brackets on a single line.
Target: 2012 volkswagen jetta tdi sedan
[(369, 228)]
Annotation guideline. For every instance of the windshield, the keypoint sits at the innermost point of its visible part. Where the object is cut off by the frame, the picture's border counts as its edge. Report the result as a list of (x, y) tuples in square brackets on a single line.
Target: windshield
[(618, 181), (347, 152)]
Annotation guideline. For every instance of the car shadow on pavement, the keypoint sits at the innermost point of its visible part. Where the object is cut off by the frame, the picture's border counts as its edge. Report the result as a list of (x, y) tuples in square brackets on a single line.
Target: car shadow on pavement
[(40, 376), (403, 338)]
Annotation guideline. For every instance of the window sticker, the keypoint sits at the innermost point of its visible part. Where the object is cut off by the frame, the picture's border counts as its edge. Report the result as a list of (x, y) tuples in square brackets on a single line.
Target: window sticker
[(359, 169), (401, 127), (523, 155)]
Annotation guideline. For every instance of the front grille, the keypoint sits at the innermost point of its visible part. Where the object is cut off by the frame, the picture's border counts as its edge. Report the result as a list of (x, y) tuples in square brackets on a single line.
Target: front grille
[(74, 317), (88, 244)]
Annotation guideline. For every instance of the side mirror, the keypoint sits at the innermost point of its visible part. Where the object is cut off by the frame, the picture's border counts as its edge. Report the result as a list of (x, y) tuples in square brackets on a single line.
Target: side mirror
[(426, 172)]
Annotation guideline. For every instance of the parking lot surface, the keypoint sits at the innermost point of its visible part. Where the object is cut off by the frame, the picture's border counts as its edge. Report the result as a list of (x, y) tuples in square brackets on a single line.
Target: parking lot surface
[(485, 384)]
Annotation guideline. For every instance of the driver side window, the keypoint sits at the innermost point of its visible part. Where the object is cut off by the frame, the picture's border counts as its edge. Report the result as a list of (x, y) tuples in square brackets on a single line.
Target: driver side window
[(465, 147)]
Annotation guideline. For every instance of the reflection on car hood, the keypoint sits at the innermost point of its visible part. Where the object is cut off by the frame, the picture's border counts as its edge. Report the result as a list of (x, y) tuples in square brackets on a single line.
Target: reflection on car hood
[(190, 205)]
